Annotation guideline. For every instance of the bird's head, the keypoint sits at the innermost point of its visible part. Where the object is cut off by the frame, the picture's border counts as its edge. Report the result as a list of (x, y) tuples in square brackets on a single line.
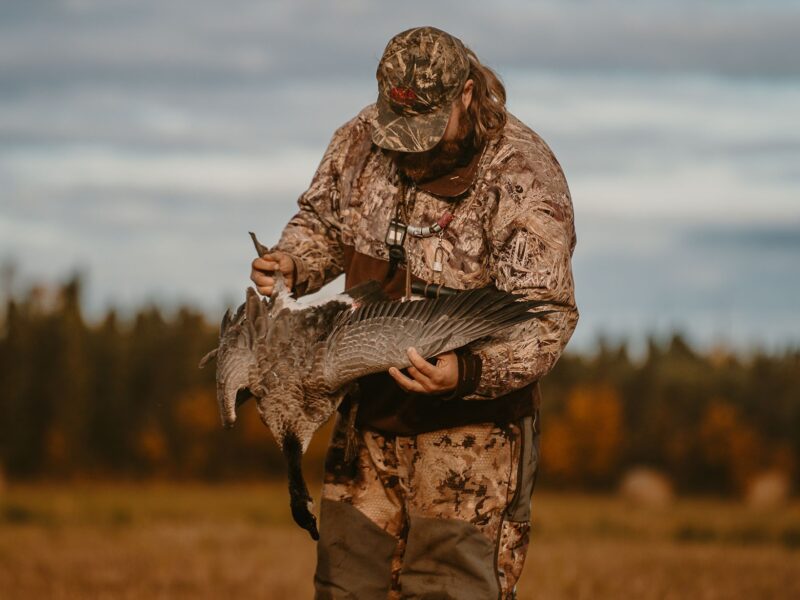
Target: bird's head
[(236, 354)]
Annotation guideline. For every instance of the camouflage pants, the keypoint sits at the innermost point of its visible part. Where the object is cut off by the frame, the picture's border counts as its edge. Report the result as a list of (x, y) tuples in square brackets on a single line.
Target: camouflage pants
[(444, 514)]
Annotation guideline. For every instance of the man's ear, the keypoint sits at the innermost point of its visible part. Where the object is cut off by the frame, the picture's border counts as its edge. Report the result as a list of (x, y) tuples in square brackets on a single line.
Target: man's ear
[(466, 93)]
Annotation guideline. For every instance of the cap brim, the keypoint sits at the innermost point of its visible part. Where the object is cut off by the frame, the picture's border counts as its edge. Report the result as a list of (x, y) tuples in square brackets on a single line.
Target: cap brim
[(416, 133)]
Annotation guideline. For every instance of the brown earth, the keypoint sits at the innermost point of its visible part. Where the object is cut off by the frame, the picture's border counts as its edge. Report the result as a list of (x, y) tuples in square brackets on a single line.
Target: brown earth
[(171, 541)]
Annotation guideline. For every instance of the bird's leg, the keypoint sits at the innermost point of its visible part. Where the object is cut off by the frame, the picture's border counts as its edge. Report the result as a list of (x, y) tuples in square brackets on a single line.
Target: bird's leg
[(300, 499), (261, 249)]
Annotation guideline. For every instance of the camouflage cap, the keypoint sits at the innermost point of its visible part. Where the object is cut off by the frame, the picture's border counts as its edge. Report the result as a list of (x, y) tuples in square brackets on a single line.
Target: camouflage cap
[(420, 74)]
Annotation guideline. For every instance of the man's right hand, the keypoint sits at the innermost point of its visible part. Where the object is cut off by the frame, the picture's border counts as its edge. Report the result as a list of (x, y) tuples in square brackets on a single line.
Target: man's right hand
[(264, 268)]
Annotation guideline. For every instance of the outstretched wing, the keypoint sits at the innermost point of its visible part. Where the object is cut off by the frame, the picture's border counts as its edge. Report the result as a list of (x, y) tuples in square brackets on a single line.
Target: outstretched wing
[(375, 336)]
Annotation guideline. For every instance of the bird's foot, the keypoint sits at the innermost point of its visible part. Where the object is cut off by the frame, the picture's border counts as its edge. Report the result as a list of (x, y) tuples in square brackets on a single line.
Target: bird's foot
[(301, 512)]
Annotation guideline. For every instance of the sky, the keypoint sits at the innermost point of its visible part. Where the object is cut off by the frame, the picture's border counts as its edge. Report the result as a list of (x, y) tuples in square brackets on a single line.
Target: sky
[(140, 140)]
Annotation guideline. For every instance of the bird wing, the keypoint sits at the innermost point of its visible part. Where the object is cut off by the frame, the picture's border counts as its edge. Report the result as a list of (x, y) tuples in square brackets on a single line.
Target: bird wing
[(367, 292), (373, 337)]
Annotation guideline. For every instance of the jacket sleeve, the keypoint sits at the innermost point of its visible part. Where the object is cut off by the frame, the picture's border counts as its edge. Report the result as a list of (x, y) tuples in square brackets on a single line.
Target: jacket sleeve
[(532, 238), (313, 235)]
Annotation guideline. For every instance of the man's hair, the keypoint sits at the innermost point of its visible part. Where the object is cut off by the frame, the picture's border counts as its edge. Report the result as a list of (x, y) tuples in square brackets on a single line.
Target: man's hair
[(487, 110)]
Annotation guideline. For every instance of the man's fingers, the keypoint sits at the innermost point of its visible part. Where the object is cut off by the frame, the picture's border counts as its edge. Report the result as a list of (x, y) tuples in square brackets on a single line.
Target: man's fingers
[(404, 382), (264, 284), (264, 269), (265, 264), (260, 278), (274, 262), (421, 364), (426, 382)]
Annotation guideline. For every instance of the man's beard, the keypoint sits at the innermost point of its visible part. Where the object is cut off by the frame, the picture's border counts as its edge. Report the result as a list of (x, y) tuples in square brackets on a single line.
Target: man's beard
[(442, 158)]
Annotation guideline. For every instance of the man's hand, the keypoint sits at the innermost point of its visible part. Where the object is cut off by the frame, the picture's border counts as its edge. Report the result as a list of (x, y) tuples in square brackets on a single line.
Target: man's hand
[(427, 378), (264, 268)]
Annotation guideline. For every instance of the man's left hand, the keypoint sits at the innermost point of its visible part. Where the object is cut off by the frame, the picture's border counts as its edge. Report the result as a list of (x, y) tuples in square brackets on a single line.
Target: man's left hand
[(427, 378)]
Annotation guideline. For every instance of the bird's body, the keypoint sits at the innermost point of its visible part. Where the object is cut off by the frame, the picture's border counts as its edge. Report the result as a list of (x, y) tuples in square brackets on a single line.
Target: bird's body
[(299, 360), (291, 366)]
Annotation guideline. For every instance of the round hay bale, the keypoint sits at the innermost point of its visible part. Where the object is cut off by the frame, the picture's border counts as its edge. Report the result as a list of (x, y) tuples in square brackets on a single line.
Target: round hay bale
[(650, 488), (768, 489)]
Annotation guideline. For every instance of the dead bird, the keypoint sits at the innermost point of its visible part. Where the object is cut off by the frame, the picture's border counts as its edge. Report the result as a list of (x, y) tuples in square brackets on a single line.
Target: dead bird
[(299, 360)]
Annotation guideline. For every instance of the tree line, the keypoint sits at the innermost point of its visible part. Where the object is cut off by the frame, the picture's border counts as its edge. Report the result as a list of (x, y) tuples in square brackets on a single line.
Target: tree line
[(124, 398)]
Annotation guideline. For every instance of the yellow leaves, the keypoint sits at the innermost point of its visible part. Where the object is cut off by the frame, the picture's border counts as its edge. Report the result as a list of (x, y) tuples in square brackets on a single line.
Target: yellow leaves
[(56, 447), (197, 411), (584, 442), (729, 442), (152, 445), (558, 450)]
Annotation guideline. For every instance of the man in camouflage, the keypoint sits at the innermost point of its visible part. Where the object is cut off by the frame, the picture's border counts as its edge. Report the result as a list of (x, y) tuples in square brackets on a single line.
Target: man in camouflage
[(436, 503)]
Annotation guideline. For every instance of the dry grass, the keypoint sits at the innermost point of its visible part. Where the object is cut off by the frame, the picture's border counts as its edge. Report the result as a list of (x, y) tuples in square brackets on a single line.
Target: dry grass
[(236, 541)]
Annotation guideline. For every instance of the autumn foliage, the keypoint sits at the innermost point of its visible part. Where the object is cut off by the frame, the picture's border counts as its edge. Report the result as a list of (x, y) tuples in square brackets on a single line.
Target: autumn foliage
[(123, 398)]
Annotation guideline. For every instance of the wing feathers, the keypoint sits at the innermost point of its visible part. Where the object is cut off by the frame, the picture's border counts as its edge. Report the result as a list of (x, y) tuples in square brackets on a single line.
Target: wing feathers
[(369, 291), (375, 336)]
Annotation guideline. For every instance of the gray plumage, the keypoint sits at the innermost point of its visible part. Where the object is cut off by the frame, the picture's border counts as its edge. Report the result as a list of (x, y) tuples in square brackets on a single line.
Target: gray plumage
[(299, 360)]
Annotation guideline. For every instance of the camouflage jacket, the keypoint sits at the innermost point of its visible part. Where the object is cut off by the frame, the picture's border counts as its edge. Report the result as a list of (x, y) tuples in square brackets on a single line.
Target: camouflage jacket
[(512, 227)]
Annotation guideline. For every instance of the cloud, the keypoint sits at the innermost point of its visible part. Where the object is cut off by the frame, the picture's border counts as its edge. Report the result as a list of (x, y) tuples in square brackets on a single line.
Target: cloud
[(141, 140), (778, 238), (70, 169), (681, 148), (254, 117), (732, 38), (736, 285), (201, 41)]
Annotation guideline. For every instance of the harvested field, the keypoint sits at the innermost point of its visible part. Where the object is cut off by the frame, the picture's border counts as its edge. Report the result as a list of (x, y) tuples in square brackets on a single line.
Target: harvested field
[(190, 541)]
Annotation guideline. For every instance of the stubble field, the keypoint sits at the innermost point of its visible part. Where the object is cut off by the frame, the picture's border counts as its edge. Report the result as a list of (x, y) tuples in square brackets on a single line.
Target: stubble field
[(192, 541)]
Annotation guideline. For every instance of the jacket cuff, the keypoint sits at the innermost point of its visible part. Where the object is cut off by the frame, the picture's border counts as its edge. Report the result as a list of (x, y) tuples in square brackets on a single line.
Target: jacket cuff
[(469, 374), (300, 282)]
